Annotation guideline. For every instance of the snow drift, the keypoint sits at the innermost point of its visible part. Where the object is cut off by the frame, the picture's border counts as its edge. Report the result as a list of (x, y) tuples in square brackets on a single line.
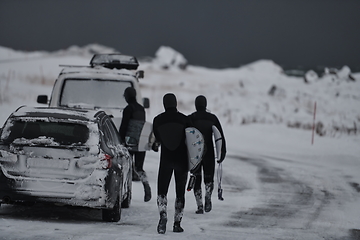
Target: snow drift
[(259, 92)]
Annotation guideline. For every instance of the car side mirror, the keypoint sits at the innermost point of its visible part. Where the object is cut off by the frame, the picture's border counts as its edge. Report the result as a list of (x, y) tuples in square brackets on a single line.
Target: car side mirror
[(42, 99), (146, 102), (140, 74)]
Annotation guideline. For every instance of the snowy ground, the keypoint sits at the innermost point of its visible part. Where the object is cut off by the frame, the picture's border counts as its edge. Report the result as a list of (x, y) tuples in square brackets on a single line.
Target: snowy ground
[(277, 185)]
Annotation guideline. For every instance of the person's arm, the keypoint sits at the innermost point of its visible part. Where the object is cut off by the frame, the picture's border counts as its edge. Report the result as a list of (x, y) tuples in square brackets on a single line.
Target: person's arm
[(156, 144), (223, 146)]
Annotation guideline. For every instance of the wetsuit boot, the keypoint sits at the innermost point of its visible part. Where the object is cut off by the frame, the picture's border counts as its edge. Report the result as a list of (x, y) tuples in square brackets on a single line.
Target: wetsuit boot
[(179, 212), (162, 205), (209, 187), (145, 182), (199, 203)]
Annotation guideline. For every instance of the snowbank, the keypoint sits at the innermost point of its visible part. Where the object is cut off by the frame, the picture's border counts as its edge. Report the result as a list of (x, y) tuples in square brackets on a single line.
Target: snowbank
[(259, 92), (166, 57)]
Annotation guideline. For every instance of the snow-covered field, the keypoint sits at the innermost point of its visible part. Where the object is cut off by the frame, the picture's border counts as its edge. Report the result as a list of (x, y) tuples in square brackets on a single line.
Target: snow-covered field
[(277, 184)]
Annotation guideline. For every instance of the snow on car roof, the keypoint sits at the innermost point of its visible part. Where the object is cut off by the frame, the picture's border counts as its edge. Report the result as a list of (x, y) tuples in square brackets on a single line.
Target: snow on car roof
[(99, 71), (64, 113)]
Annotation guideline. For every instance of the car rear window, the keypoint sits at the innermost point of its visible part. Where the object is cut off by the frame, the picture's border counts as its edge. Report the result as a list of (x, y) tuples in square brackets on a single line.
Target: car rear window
[(92, 93), (62, 133)]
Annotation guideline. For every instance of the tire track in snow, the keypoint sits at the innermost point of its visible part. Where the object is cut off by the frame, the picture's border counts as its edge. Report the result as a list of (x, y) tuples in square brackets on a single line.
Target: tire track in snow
[(285, 201)]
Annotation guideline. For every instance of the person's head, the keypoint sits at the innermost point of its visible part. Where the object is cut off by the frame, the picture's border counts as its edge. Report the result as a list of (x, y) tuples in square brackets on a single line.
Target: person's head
[(130, 94), (200, 103), (169, 101)]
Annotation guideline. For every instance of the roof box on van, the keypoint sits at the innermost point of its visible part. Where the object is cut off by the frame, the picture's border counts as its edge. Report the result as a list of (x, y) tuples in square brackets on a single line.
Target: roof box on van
[(115, 60)]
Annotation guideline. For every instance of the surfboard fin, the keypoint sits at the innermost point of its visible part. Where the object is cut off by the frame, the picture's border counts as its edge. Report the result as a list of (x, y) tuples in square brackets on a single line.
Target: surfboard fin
[(191, 183), (220, 192)]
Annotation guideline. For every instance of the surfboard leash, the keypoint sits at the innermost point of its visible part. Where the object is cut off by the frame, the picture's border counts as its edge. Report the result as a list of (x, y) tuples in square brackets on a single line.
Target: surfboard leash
[(219, 178)]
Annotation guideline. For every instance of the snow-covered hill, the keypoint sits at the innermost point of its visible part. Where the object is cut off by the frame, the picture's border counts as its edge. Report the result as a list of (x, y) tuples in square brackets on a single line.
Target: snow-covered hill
[(259, 92)]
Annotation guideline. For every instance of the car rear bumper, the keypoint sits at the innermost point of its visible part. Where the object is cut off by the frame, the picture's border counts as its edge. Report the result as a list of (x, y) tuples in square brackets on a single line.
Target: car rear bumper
[(90, 192)]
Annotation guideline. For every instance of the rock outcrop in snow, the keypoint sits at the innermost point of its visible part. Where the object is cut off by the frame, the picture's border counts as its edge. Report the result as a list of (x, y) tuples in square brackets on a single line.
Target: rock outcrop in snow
[(166, 58)]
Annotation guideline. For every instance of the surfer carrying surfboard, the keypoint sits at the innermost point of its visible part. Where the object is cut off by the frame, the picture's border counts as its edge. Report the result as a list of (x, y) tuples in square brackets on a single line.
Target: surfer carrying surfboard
[(169, 130), (204, 122), (132, 122)]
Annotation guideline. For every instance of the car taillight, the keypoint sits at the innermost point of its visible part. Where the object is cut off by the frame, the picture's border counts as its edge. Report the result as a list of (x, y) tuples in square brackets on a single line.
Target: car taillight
[(107, 161)]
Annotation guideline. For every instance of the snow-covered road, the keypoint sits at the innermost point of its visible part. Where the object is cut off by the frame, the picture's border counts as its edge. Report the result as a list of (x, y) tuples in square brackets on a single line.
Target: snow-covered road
[(307, 196)]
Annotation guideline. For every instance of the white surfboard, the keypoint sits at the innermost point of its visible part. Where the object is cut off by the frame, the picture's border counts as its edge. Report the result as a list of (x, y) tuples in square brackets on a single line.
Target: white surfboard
[(139, 136), (218, 142), (147, 138), (195, 147)]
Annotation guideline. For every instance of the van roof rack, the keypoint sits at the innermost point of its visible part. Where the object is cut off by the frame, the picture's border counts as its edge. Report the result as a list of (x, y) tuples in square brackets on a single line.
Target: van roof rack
[(115, 60)]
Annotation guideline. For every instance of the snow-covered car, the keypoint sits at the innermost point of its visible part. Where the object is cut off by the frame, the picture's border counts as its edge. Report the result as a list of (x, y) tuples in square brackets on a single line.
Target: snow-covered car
[(98, 86), (65, 156)]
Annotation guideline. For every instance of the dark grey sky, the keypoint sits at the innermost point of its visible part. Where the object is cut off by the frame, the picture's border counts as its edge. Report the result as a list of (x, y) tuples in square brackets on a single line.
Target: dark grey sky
[(213, 33)]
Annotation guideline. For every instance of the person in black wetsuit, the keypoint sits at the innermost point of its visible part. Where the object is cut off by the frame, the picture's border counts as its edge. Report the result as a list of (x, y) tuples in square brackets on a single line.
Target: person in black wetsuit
[(203, 121), (134, 112), (169, 130)]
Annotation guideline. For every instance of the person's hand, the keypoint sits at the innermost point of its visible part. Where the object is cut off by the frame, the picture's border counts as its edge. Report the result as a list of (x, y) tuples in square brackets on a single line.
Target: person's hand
[(155, 147)]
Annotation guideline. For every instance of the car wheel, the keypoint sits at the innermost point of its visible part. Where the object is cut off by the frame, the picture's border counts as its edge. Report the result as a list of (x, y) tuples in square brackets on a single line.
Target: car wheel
[(113, 214), (127, 201)]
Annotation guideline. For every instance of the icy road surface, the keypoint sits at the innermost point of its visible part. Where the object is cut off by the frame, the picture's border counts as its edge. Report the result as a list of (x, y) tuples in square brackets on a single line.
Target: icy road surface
[(276, 184), (307, 195)]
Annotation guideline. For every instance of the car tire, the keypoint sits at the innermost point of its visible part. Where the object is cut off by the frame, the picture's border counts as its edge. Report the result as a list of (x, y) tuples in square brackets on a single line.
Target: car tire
[(127, 201), (113, 214)]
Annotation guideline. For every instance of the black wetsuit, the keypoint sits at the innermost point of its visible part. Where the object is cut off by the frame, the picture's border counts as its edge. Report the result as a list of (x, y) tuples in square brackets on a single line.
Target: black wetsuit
[(203, 121), (135, 112), (169, 130)]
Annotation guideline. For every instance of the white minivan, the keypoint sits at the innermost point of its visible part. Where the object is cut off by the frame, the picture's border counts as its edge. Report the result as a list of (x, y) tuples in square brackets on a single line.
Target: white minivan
[(98, 86)]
